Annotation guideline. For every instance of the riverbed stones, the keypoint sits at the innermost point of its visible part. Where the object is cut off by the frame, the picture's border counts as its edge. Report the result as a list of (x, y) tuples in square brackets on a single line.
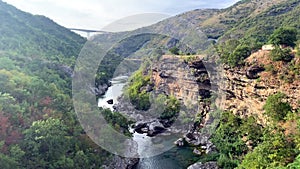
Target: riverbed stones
[(110, 101), (179, 142), (208, 165), (152, 128)]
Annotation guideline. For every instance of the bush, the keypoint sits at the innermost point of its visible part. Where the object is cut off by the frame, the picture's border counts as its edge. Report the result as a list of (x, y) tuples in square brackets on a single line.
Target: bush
[(279, 54), (276, 108), (172, 108), (226, 163), (284, 36), (275, 151), (174, 50), (138, 97), (270, 68), (238, 56)]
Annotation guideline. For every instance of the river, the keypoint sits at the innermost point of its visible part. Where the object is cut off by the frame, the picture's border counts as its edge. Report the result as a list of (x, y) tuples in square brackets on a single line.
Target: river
[(176, 158)]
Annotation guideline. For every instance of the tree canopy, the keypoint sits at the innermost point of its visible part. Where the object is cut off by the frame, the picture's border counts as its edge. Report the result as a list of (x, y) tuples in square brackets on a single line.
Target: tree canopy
[(284, 36)]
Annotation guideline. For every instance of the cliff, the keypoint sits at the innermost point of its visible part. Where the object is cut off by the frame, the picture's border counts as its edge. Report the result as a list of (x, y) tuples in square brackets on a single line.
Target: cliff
[(247, 88), (172, 75)]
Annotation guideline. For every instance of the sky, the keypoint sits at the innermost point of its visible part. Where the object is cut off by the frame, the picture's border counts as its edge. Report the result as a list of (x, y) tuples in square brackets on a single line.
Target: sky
[(96, 14)]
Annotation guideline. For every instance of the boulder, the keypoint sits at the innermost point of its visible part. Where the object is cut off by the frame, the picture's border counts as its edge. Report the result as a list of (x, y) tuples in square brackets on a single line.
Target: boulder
[(208, 165), (163, 74), (140, 127), (121, 162), (155, 127), (179, 142), (252, 72), (110, 101), (196, 151)]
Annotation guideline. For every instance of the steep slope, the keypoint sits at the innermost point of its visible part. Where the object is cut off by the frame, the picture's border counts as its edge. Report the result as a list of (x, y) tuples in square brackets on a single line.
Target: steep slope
[(229, 18), (263, 23), (38, 125), (35, 35), (246, 95)]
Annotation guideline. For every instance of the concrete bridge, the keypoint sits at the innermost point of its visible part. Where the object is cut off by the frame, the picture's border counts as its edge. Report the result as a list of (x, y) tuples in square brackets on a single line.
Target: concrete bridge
[(88, 31)]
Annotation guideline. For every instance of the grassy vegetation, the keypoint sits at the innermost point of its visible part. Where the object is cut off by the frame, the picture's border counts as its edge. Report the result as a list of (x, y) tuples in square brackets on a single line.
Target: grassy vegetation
[(135, 92)]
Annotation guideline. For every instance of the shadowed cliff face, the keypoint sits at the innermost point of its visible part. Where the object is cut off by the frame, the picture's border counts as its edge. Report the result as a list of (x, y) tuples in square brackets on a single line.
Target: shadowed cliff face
[(185, 78)]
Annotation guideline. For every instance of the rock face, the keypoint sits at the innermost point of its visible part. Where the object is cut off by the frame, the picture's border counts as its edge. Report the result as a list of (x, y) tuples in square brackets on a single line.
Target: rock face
[(248, 88), (187, 81), (209, 165)]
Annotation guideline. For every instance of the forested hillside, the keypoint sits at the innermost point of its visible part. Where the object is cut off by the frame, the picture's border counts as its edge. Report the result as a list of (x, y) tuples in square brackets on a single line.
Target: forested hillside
[(38, 126)]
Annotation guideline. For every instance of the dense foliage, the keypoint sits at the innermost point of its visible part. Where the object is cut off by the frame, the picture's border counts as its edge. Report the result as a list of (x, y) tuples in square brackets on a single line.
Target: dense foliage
[(278, 24), (243, 144), (231, 137), (276, 108), (233, 52), (116, 120), (284, 36), (278, 54), (38, 126), (136, 90)]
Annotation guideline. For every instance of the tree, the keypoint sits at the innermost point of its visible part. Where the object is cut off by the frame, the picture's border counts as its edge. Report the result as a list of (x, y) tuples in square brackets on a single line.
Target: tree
[(275, 151), (276, 108), (278, 54), (284, 36), (172, 108), (174, 50), (226, 49), (45, 142), (239, 54), (7, 162), (81, 160), (233, 52)]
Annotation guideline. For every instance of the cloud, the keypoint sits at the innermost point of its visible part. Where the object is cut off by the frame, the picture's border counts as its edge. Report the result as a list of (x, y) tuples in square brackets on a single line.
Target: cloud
[(95, 14)]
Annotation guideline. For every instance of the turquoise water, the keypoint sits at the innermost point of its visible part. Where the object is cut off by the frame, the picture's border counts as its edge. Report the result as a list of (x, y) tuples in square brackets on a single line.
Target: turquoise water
[(176, 158)]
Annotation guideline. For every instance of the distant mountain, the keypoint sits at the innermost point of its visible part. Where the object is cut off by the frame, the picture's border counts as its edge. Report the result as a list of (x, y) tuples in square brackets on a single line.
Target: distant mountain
[(35, 35), (246, 18), (250, 21)]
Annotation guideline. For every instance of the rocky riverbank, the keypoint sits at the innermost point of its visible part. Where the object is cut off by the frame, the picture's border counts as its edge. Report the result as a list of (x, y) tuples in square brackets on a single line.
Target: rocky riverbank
[(188, 81)]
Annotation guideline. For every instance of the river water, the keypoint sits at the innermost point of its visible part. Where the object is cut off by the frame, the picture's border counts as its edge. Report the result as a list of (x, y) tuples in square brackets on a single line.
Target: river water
[(176, 158)]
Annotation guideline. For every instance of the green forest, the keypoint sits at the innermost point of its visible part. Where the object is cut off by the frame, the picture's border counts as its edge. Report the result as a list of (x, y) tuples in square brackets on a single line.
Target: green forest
[(38, 125)]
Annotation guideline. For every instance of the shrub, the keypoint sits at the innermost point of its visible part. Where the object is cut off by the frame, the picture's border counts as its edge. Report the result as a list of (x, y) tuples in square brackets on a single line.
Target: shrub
[(284, 36), (172, 108), (138, 97), (278, 54), (238, 55), (174, 50), (276, 108)]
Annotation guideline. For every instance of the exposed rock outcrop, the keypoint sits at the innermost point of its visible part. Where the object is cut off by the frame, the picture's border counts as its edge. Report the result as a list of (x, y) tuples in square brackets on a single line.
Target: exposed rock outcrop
[(187, 81), (248, 88)]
